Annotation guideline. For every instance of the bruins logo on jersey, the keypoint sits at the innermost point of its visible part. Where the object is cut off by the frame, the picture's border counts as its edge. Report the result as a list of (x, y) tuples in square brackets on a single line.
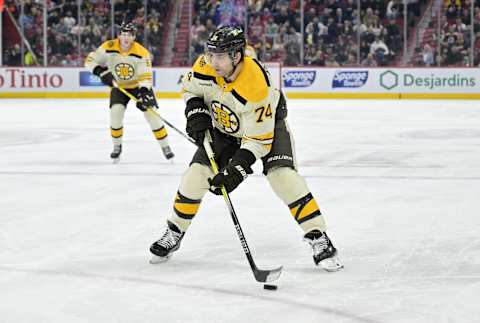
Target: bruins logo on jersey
[(225, 117), (202, 61), (124, 71)]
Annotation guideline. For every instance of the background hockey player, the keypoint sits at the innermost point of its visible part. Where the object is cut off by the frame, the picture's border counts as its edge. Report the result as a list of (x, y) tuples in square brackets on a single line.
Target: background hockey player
[(231, 95), (250, 51), (125, 62)]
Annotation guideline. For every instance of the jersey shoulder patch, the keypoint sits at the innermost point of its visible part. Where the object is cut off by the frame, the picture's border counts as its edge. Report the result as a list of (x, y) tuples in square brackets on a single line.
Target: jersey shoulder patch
[(201, 69), (112, 45), (253, 83)]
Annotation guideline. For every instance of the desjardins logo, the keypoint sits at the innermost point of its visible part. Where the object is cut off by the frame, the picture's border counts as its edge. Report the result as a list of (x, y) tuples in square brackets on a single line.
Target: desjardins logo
[(389, 80)]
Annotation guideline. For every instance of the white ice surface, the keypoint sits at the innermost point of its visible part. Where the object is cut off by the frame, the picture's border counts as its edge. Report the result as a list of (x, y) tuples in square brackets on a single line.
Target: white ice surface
[(398, 181)]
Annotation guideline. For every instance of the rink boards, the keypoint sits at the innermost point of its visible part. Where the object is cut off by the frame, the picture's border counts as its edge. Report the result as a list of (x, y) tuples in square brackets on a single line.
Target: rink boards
[(300, 83)]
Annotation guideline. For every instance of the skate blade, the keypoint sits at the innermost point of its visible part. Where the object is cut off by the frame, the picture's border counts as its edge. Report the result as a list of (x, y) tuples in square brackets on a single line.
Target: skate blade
[(331, 264), (158, 260), (116, 160)]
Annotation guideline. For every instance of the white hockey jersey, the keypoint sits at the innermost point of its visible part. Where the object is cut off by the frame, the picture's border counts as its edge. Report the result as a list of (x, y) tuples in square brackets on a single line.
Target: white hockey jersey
[(244, 108), (131, 69)]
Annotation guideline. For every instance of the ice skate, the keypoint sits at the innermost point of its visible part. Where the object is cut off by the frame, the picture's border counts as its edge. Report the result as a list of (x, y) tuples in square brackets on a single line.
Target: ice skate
[(163, 248), (324, 253), (115, 155), (167, 152)]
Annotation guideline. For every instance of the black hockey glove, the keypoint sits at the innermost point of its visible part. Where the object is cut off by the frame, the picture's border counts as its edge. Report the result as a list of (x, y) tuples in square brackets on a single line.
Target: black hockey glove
[(146, 99), (234, 173), (104, 74), (198, 119)]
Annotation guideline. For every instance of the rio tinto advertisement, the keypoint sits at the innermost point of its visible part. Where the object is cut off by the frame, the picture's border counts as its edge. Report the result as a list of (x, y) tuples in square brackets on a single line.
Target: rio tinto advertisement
[(14, 78), (73, 80)]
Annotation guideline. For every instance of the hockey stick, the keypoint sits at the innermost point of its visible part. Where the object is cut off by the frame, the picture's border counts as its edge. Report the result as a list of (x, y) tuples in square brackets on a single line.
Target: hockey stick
[(156, 114), (260, 275)]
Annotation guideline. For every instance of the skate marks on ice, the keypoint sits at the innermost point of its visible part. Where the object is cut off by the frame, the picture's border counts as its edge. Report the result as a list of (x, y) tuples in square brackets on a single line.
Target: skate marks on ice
[(442, 134), (19, 137), (286, 300)]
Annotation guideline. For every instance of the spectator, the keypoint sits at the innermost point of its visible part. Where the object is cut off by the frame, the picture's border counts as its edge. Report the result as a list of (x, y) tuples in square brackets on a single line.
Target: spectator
[(69, 21), (370, 18), (393, 38), (331, 62), (369, 61), (460, 26), (13, 56), (380, 50), (348, 30), (451, 13), (392, 9), (349, 10), (428, 55)]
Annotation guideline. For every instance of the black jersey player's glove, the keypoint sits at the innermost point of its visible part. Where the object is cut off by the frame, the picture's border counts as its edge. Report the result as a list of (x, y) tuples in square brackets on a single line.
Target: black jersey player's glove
[(146, 99), (104, 74), (234, 173), (198, 119)]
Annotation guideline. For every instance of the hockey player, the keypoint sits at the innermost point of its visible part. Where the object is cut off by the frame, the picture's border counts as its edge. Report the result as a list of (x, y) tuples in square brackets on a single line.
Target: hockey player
[(231, 95), (250, 51), (126, 63)]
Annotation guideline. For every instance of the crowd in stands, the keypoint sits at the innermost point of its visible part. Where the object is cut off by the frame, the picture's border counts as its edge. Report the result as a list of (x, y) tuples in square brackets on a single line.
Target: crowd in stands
[(71, 34), (453, 45), (335, 32)]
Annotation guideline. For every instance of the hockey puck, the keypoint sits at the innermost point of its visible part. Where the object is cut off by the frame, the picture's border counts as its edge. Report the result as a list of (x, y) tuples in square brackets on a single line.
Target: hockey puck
[(270, 287)]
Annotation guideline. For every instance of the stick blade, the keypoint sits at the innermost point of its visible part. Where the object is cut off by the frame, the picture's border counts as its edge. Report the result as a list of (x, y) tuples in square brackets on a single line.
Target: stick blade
[(264, 276)]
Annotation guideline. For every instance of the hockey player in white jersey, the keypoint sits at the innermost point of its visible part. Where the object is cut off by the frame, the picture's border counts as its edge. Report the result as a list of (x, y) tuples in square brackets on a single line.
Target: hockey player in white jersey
[(232, 96), (125, 62)]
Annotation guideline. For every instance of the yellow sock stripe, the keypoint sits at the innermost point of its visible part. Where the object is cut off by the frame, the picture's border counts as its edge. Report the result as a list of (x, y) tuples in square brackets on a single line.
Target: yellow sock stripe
[(184, 207), (294, 211), (305, 208), (187, 209), (160, 133), (310, 208), (116, 133)]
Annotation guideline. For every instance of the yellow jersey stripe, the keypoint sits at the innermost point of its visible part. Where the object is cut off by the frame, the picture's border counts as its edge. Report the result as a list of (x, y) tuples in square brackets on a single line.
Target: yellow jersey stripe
[(267, 136), (265, 139)]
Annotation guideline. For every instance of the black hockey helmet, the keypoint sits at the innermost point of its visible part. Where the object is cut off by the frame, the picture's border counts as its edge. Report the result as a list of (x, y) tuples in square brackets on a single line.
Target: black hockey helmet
[(227, 39), (128, 27)]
